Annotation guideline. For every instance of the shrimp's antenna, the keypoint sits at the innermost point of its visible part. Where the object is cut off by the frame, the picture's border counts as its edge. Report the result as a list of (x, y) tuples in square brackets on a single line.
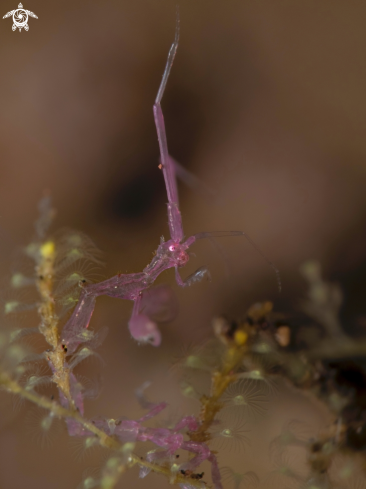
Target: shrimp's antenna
[(217, 247), (223, 234), (169, 63)]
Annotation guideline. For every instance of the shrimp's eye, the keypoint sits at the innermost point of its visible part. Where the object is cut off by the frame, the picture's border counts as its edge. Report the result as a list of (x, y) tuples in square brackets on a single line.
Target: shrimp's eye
[(172, 248)]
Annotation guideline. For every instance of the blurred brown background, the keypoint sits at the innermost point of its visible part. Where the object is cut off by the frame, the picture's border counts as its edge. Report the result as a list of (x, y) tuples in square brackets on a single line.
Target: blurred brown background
[(266, 104)]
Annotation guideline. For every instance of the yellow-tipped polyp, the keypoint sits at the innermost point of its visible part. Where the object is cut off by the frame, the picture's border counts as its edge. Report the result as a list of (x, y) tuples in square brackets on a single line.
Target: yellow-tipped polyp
[(47, 249), (240, 337)]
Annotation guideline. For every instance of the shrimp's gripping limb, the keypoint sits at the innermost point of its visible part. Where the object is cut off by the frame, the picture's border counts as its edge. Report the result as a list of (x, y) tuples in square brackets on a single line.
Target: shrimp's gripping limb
[(195, 277), (142, 328), (174, 216)]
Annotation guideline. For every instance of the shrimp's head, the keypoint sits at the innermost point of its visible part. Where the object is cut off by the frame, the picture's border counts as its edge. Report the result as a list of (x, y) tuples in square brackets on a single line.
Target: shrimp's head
[(175, 252)]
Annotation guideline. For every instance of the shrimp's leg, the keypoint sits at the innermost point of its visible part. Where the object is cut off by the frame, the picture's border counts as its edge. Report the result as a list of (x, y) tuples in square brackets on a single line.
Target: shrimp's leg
[(120, 286), (196, 276)]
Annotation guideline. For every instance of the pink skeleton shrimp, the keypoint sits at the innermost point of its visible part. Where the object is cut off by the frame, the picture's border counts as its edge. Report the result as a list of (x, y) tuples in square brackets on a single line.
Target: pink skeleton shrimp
[(170, 254)]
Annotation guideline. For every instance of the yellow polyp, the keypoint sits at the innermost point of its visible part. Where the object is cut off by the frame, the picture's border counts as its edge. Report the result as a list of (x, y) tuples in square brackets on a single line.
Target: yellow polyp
[(69, 301), (111, 425), (32, 250), (91, 441), (188, 391), (75, 254), (263, 348), (75, 240), (86, 335), (227, 433), (47, 250), (194, 361), (74, 277), (107, 481), (11, 306), (46, 423), (240, 337), (256, 375), (17, 280), (128, 447), (16, 353), (89, 482), (113, 462)]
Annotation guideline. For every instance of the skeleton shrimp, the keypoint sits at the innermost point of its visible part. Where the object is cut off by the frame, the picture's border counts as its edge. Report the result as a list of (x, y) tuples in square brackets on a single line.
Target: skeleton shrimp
[(170, 254)]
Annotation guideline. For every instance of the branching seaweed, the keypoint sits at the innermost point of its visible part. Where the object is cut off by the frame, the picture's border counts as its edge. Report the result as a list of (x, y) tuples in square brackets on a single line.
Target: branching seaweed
[(243, 362)]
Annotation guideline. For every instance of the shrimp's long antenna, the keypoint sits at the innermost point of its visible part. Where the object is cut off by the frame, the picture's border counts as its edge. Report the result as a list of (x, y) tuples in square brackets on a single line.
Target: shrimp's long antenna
[(170, 60), (223, 234), (217, 247), (174, 216)]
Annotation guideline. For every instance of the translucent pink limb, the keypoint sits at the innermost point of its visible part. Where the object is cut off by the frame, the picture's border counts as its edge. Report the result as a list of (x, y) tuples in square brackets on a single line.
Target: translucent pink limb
[(125, 286), (160, 303), (154, 411), (215, 472), (79, 320), (108, 425), (174, 216), (223, 234), (192, 181), (74, 428), (142, 328), (127, 430), (75, 392), (162, 437), (171, 443), (155, 456), (140, 395), (189, 422), (195, 277), (203, 453), (153, 407)]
